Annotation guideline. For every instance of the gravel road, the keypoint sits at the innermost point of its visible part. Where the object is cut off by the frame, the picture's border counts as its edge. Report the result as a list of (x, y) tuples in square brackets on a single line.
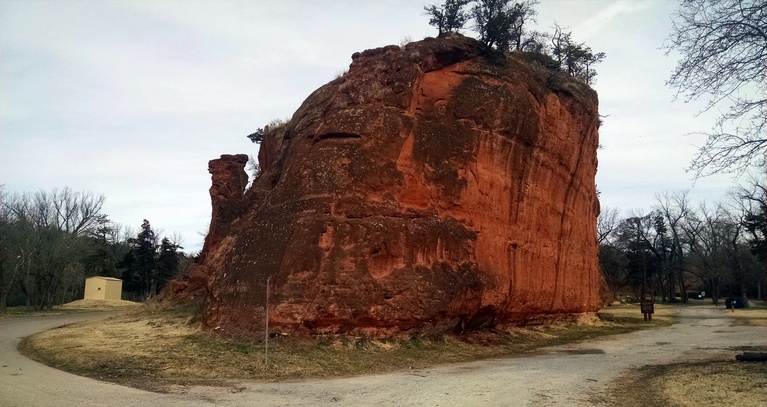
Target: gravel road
[(570, 375)]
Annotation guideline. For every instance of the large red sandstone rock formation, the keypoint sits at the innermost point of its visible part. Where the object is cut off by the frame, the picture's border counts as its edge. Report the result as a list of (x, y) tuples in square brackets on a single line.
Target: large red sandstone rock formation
[(429, 188)]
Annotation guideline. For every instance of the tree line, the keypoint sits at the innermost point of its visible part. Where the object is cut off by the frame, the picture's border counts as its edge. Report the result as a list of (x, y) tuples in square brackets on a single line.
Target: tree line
[(677, 248), (503, 25), (50, 241)]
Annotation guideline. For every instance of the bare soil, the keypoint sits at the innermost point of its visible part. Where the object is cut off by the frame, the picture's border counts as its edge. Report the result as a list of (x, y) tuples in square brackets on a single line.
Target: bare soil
[(101, 304)]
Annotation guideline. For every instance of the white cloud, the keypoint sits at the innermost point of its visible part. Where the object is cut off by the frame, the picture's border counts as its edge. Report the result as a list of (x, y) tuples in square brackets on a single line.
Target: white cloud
[(598, 23)]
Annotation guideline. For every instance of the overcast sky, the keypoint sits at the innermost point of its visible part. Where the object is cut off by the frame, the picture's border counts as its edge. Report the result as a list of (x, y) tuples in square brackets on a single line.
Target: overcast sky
[(131, 99)]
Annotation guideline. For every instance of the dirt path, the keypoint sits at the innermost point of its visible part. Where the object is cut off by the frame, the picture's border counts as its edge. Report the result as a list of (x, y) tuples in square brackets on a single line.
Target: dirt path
[(572, 375)]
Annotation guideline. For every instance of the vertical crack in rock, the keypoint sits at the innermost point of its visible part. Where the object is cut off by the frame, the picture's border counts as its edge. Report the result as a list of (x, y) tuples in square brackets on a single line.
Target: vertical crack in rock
[(562, 226)]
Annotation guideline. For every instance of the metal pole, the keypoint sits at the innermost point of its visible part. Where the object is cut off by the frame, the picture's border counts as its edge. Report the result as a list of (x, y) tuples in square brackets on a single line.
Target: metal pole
[(266, 331)]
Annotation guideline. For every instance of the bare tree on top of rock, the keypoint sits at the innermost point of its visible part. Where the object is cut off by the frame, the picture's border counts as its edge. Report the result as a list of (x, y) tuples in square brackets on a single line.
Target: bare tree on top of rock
[(723, 44), (574, 58), (257, 136), (493, 21), (522, 13), (501, 23), (449, 17)]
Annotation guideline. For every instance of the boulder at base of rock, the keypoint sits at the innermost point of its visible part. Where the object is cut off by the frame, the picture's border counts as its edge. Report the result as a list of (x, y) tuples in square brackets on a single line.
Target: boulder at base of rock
[(433, 187)]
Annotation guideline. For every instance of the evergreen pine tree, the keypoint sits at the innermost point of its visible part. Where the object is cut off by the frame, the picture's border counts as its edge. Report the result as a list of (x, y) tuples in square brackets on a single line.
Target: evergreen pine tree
[(140, 273), (167, 263)]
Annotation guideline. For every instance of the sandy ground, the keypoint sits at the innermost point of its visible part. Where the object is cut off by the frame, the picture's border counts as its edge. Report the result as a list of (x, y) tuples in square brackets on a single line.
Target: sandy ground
[(571, 375), (101, 304), (73, 307)]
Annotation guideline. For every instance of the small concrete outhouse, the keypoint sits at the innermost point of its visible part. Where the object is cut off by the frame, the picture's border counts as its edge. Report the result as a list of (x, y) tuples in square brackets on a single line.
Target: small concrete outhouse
[(103, 288)]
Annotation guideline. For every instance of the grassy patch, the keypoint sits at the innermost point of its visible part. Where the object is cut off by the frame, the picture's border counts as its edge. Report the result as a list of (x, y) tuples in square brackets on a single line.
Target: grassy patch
[(161, 346), (700, 383), (755, 315), (630, 314), (729, 382)]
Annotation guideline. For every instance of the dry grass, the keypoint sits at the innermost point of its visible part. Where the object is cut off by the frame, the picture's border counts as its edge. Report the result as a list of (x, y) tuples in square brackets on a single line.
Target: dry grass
[(630, 313), (74, 307), (157, 347), (731, 383), (723, 382), (755, 315)]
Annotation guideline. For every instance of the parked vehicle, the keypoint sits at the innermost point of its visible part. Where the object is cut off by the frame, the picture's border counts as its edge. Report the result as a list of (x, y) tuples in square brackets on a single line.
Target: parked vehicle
[(733, 302)]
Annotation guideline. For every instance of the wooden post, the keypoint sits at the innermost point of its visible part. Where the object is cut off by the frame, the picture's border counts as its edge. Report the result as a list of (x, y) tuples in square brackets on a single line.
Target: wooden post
[(266, 330)]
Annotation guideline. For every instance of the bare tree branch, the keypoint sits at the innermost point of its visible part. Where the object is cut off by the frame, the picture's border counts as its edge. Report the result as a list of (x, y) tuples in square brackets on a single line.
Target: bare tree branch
[(723, 44)]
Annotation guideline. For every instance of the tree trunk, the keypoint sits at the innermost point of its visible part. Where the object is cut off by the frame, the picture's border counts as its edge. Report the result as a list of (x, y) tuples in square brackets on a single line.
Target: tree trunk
[(743, 295), (661, 289), (715, 294), (671, 283), (27, 299), (682, 286), (714, 287), (4, 294)]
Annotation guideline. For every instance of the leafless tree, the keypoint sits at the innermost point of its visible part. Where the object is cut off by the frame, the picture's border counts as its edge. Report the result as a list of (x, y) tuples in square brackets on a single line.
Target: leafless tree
[(611, 259), (707, 247), (718, 250), (723, 47), (574, 58), (675, 208), (44, 238), (606, 223), (750, 199)]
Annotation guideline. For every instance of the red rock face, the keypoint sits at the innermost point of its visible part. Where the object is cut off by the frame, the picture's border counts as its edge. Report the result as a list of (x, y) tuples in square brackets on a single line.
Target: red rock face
[(229, 179), (227, 191), (430, 188)]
